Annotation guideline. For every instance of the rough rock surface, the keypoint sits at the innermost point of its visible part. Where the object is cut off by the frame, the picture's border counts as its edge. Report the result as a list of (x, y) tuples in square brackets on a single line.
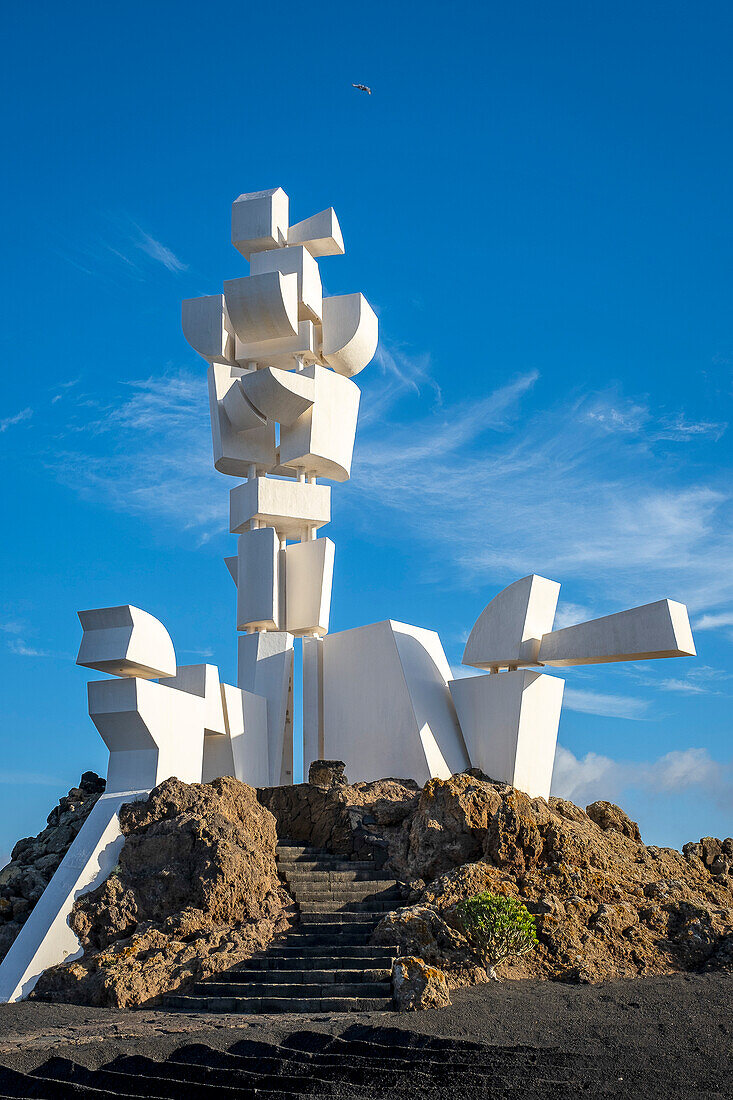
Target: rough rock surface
[(327, 773), (196, 891), (35, 858), (606, 906), (416, 985), (359, 821)]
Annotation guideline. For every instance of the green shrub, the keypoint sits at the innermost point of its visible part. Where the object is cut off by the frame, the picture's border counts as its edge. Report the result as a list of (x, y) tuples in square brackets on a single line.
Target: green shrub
[(497, 927)]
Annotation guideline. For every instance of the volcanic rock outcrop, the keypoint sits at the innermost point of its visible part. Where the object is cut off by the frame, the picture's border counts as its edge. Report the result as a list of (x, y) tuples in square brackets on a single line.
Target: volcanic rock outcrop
[(35, 858), (196, 891), (605, 905)]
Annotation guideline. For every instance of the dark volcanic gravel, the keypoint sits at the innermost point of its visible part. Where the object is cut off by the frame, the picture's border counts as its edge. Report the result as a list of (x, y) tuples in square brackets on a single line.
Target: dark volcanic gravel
[(653, 1037)]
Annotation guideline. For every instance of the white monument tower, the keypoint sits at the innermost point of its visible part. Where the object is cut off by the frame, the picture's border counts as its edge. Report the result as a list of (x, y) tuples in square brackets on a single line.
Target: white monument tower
[(283, 414)]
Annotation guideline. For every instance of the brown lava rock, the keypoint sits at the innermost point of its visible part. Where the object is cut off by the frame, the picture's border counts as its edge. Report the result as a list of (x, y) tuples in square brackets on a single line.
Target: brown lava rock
[(196, 891), (35, 858)]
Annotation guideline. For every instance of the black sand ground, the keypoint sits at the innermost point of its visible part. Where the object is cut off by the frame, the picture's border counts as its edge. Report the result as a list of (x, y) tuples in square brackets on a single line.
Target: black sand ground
[(655, 1037)]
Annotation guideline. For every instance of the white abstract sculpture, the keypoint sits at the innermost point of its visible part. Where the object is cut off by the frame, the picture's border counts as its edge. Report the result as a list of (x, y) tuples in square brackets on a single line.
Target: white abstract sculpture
[(386, 707), (510, 720), (281, 361), (284, 410)]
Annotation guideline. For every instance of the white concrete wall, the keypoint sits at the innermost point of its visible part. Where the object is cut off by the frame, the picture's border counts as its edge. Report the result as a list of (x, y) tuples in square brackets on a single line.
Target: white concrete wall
[(509, 722), (387, 710)]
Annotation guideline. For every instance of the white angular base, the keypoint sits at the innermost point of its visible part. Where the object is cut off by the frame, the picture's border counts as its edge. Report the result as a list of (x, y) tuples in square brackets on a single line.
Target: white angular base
[(509, 722), (387, 710), (265, 667), (46, 939)]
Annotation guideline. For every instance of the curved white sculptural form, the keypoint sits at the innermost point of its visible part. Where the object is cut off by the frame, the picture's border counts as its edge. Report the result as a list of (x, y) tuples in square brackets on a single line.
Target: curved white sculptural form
[(510, 718)]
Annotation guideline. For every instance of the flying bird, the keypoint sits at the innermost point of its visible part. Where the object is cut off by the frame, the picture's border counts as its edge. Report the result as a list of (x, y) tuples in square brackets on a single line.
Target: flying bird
[(362, 88)]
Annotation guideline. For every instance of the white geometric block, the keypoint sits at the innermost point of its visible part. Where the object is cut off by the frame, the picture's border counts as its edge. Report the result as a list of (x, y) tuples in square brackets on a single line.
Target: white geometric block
[(660, 629), (308, 581), (235, 452), (207, 327), (263, 306), (260, 221), (281, 352), (152, 732), (241, 413), (279, 394), (321, 440), (292, 507), (313, 740), (508, 630), (202, 680), (265, 667), (509, 722), (125, 641), (242, 752), (258, 580), (321, 234), (46, 939), (295, 260), (350, 333), (387, 709)]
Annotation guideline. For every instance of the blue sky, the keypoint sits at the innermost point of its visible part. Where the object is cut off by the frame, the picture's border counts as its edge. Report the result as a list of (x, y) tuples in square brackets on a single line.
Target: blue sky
[(536, 199)]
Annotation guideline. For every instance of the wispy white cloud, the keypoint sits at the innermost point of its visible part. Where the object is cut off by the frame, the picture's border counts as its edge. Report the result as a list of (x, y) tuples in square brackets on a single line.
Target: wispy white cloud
[(582, 780), (499, 494), (22, 649), (714, 620), (607, 706), (570, 614), (160, 252), (117, 249), (695, 679), (17, 418), (636, 418), (150, 454), (412, 371)]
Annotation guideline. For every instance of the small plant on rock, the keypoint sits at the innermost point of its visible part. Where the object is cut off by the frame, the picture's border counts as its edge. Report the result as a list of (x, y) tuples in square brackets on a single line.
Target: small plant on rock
[(497, 927)]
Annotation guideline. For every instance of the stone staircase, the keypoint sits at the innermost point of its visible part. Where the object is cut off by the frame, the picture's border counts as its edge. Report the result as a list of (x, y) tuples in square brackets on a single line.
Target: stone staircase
[(325, 963)]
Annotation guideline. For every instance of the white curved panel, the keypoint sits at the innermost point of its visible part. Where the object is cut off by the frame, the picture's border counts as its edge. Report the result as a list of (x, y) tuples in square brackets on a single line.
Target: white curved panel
[(240, 411), (207, 327), (350, 333), (295, 260), (263, 307), (509, 629), (321, 440), (126, 641), (279, 394), (235, 452)]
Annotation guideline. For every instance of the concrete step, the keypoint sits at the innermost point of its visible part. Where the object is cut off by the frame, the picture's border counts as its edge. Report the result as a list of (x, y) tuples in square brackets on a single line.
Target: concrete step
[(328, 920), (337, 877), (316, 951), (299, 990), (292, 975), (347, 902), (348, 907), (278, 1004), (333, 867), (351, 891)]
